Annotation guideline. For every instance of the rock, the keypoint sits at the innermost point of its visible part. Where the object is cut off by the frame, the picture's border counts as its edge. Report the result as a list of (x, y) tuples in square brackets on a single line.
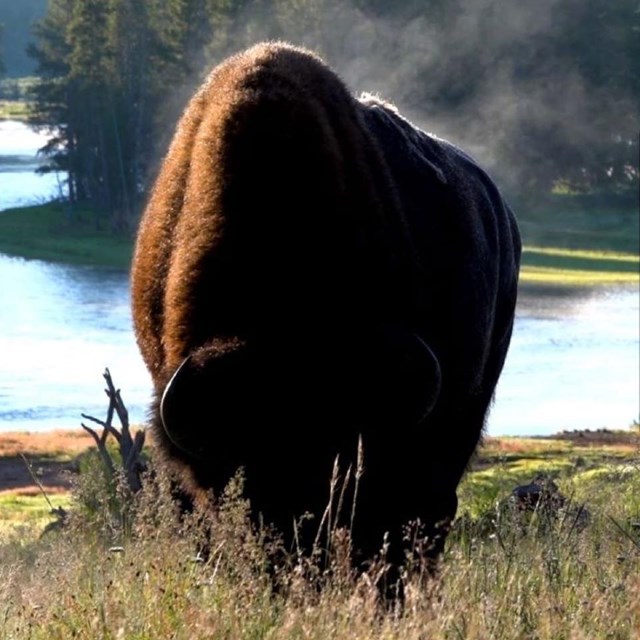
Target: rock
[(543, 496), (542, 492)]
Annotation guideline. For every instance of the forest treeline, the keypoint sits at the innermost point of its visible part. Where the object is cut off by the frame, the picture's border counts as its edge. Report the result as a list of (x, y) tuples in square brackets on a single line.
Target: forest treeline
[(545, 93)]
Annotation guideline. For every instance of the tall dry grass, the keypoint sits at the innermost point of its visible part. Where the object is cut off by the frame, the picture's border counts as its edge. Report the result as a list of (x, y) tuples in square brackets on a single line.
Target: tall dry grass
[(130, 567)]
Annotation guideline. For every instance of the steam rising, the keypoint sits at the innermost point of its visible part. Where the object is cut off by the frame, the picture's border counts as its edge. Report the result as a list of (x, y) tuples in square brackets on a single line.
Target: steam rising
[(483, 74)]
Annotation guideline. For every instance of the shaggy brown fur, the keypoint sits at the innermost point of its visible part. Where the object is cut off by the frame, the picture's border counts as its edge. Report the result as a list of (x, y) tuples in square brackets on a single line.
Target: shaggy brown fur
[(314, 269)]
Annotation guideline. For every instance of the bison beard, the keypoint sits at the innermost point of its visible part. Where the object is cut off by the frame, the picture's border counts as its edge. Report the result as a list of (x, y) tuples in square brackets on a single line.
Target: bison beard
[(310, 269)]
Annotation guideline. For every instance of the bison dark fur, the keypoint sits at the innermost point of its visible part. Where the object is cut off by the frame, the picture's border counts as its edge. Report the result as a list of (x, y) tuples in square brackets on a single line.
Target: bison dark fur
[(311, 268)]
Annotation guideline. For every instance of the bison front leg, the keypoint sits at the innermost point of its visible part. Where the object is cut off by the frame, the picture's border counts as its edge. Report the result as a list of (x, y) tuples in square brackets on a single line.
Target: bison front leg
[(406, 504)]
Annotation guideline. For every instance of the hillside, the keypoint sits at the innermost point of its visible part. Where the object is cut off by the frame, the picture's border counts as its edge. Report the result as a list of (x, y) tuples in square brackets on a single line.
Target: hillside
[(16, 18)]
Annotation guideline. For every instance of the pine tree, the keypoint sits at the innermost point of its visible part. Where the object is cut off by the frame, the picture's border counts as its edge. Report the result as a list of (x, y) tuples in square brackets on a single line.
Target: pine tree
[(54, 95)]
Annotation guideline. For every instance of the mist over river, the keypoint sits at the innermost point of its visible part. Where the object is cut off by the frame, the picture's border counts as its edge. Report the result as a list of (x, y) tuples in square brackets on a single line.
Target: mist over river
[(574, 360)]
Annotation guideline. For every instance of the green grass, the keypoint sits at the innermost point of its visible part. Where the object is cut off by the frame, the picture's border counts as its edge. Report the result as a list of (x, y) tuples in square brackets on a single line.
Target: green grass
[(507, 462), (31, 512), (17, 89), (578, 223), (581, 241), (46, 232), (14, 93)]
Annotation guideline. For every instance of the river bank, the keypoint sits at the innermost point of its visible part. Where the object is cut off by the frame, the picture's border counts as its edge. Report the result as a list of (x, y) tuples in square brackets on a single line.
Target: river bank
[(55, 233), (571, 241), (500, 464)]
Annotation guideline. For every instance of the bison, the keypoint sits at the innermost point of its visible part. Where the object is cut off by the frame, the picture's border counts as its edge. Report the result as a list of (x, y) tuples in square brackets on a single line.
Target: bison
[(312, 271)]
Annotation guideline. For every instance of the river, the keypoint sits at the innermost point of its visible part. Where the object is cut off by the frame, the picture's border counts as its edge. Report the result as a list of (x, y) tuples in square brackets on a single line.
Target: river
[(19, 184), (574, 360), (60, 327)]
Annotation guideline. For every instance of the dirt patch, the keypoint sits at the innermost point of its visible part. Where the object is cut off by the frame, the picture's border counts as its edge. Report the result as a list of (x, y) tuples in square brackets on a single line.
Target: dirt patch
[(50, 454), (16, 479)]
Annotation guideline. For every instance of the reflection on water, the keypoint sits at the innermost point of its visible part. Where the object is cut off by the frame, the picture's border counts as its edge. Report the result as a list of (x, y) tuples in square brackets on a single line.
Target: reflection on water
[(574, 360), (20, 185), (60, 326), (574, 363)]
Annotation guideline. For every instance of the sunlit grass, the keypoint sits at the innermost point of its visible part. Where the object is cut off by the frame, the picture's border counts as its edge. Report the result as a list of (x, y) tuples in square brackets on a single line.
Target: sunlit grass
[(584, 254), (13, 110), (32, 511), (57, 444), (575, 267), (503, 463), (506, 446), (575, 278), (572, 248)]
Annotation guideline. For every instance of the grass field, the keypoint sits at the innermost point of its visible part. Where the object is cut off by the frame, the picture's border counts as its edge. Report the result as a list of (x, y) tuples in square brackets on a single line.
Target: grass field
[(575, 241), (572, 223), (571, 267), (114, 573)]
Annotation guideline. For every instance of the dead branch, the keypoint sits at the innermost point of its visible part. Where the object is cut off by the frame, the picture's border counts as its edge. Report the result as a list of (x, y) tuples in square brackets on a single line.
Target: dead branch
[(130, 447)]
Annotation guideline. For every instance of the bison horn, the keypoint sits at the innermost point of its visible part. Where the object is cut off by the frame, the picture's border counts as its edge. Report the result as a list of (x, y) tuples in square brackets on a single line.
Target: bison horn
[(433, 377), (176, 387), (187, 408)]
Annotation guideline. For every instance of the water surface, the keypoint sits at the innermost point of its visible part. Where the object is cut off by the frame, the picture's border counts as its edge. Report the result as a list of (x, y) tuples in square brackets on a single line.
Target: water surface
[(20, 185), (60, 326), (574, 360)]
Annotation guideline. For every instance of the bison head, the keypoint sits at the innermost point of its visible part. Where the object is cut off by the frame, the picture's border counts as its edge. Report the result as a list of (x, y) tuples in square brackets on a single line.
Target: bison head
[(356, 382)]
